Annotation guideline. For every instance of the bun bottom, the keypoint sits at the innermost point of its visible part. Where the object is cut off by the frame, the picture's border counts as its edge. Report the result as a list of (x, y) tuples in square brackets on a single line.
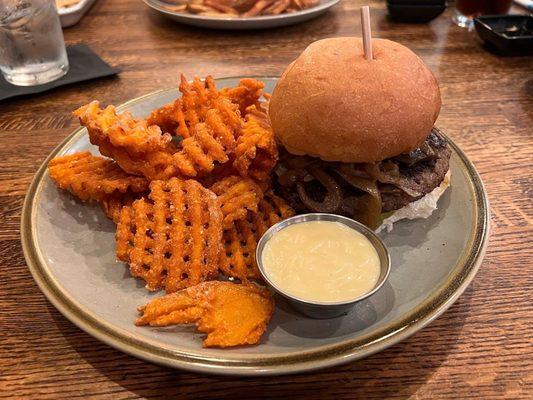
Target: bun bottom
[(421, 208)]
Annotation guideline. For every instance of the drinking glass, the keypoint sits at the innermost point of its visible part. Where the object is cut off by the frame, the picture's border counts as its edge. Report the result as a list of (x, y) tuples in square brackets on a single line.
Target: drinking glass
[(32, 48), (467, 10)]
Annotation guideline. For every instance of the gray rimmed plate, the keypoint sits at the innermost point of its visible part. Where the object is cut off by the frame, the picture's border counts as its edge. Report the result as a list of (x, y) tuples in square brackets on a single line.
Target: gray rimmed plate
[(259, 22), (69, 248)]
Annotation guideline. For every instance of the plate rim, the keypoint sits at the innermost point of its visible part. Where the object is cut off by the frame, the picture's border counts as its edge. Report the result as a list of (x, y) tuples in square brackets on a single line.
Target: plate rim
[(329, 355), (193, 17)]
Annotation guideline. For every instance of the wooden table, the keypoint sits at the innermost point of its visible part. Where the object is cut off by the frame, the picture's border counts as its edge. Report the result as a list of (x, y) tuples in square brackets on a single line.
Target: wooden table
[(482, 347)]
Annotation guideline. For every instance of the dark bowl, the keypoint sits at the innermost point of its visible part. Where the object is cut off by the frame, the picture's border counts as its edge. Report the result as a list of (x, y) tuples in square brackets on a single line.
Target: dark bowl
[(415, 13), (508, 34)]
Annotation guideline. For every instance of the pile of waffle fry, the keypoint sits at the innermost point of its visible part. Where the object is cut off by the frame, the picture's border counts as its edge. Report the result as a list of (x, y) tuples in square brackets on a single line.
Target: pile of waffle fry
[(189, 189), (239, 8)]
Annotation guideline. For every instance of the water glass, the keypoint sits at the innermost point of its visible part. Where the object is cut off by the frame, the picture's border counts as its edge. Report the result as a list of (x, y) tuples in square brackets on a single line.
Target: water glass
[(32, 48)]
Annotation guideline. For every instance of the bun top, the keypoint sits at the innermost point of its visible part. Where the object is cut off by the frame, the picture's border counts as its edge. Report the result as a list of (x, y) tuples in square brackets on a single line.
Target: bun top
[(334, 104)]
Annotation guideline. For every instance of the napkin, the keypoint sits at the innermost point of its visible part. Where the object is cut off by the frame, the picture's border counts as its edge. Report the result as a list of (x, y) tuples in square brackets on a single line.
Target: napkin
[(84, 65)]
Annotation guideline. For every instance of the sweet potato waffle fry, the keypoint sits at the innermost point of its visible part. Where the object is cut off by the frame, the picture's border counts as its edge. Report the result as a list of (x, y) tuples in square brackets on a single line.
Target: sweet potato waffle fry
[(172, 238), (121, 130), (112, 205), (237, 196), (188, 110), (246, 94), (240, 240), (196, 99), (138, 148), (143, 149), (164, 118), (230, 314), (211, 141), (256, 152), (207, 122), (92, 177)]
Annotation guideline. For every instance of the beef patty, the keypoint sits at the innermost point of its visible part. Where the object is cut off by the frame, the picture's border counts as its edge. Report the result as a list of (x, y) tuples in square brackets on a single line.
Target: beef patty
[(400, 180)]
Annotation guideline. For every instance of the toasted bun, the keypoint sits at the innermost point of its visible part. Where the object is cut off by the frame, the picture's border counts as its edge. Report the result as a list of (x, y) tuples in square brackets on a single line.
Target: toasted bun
[(334, 104)]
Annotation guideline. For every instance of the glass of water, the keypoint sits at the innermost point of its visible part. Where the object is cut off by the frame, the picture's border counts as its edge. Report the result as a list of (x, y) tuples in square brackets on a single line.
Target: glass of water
[(32, 48)]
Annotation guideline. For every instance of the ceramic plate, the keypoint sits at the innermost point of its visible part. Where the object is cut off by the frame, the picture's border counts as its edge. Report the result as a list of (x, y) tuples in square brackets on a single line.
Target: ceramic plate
[(69, 248), (260, 22)]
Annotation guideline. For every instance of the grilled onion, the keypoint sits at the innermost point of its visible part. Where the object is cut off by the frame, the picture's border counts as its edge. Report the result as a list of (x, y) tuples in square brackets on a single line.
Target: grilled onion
[(388, 172), (367, 210), (333, 198)]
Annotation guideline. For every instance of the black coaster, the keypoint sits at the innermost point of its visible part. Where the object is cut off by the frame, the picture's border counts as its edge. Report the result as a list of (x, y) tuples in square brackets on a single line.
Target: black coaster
[(84, 65)]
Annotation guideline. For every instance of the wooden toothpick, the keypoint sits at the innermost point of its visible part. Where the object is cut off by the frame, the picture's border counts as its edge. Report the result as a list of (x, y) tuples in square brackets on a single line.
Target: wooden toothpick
[(367, 33)]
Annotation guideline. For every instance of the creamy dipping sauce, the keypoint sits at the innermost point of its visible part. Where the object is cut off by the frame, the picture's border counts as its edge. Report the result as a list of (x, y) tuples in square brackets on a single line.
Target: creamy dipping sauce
[(321, 261)]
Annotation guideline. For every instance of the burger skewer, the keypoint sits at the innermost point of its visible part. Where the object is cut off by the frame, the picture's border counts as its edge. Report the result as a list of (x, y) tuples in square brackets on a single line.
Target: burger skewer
[(367, 32)]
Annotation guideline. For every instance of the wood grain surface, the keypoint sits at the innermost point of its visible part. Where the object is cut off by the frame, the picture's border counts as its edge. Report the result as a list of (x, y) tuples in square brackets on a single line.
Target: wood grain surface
[(482, 347)]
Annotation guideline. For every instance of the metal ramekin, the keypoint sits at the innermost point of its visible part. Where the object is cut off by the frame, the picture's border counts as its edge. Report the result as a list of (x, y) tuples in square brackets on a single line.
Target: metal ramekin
[(323, 309)]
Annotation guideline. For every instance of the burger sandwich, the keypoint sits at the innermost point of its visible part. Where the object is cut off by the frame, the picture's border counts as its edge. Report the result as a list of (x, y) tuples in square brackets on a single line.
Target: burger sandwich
[(357, 135)]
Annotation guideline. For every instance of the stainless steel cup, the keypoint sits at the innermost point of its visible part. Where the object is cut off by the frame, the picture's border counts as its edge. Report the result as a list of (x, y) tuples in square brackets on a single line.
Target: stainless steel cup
[(323, 309)]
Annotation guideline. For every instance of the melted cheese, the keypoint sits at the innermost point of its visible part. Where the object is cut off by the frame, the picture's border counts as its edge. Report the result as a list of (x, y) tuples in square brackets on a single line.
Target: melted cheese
[(321, 261)]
